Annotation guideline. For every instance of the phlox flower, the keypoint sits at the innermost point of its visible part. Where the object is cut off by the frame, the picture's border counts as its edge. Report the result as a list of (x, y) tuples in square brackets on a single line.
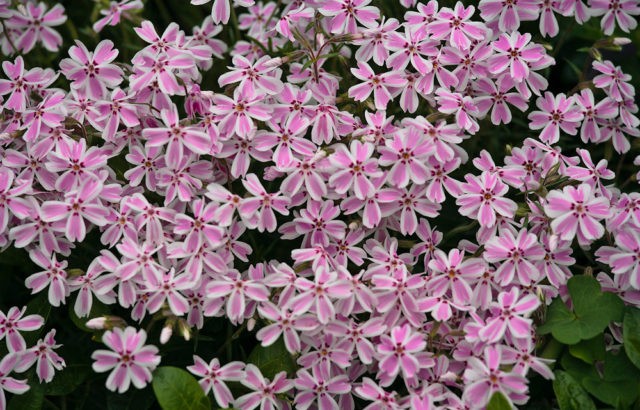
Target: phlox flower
[(373, 44), (261, 205), (36, 22), (114, 13), (517, 255), (346, 14), (15, 322), (616, 11), (354, 167), (286, 323), (557, 113), (594, 113), (406, 153), (54, 276), (8, 363), (379, 84), (508, 14), (237, 114), (482, 197), (613, 80), (455, 26), (623, 258), (576, 211), (288, 138), (130, 360), (317, 389), (264, 391), (43, 355), (20, 83), (92, 71), (320, 294), (401, 351), (410, 48), (463, 106), (213, 377), (238, 291), (514, 51)]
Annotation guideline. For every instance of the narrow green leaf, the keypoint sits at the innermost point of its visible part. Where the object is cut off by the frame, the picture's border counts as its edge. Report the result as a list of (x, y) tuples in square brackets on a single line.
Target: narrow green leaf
[(68, 379), (176, 389), (569, 393), (499, 402)]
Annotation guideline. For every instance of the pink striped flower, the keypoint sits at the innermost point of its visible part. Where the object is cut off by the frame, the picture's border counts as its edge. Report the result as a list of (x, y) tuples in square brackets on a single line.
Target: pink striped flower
[(264, 393), (252, 77), (346, 14), (44, 356), (36, 23), (260, 206), (483, 196), (7, 365), (354, 169), (616, 11), (213, 377), (557, 113), (406, 153), (15, 322), (379, 84), (317, 389), (237, 290), (514, 52), (577, 211), (237, 114), (130, 360), (508, 14), (400, 351), (54, 276), (285, 323), (517, 254), (320, 294), (511, 314), (455, 26), (115, 12), (19, 84)]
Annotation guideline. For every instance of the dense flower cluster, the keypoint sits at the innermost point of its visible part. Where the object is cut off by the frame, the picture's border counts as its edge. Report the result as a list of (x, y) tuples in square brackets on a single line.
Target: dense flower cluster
[(369, 303)]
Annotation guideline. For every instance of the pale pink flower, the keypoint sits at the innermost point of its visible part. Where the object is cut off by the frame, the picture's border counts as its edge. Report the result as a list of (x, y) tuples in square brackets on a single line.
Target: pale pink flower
[(285, 323), (315, 389), (213, 377), (54, 276), (616, 11), (91, 71), (613, 80), (509, 14), (8, 364), (517, 256), (319, 294), (354, 168), (410, 48), (15, 322), (577, 211), (130, 360), (514, 52), (262, 204), (557, 113), (483, 196), (43, 355), (36, 23), (264, 392), (346, 14), (252, 77), (115, 11), (455, 26), (401, 351), (379, 84), (237, 114), (20, 83), (406, 153)]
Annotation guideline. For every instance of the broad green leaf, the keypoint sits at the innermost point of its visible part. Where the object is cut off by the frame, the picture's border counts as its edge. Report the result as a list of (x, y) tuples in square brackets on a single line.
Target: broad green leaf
[(273, 359), (569, 393), (499, 402), (592, 311), (618, 385), (589, 350), (177, 389), (631, 335)]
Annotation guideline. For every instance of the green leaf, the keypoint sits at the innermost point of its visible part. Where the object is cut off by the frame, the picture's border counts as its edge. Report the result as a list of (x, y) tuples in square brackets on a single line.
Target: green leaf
[(592, 311), (176, 389), (618, 384), (39, 305), (631, 335), (569, 393), (590, 350), (67, 380), (272, 359), (499, 402)]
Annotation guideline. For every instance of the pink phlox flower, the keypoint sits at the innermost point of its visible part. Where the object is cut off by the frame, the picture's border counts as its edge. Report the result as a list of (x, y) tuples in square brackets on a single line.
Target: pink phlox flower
[(548, 22), (318, 224), (557, 113), (46, 235), (410, 48), (358, 336), (167, 287), (613, 80), (75, 163), (514, 51), (50, 112), (237, 114), (292, 104), (508, 14), (92, 72), (522, 355), (319, 295), (483, 196), (517, 256), (406, 153), (286, 323), (354, 169), (471, 63), (54, 276), (510, 313), (288, 138), (253, 77), (463, 106), (116, 109), (257, 22), (430, 238), (379, 84), (117, 10), (315, 389), (346, 14), (454, 275), (213, 377), (576, 211), (292, 19), (373, 42), (591, 129), (380, 399), (399, 291), (35, 23), (21, 83), (483, 377), (7, 365), (377, 129), (402, 351), (93, 283), (149, 217), (147, 162), (161, 71), (11, 200), (578, 9), (130, 360), (236, 290), (204, 35), (623, 258), (592, 173), (264, 392), (615, 11), (347, 250), (44, 356), (260, 207), (325, 354), (15, 322), (495, 97), (425, 14), (182, 179), (201, 227), (408, 203), (455, 26)]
